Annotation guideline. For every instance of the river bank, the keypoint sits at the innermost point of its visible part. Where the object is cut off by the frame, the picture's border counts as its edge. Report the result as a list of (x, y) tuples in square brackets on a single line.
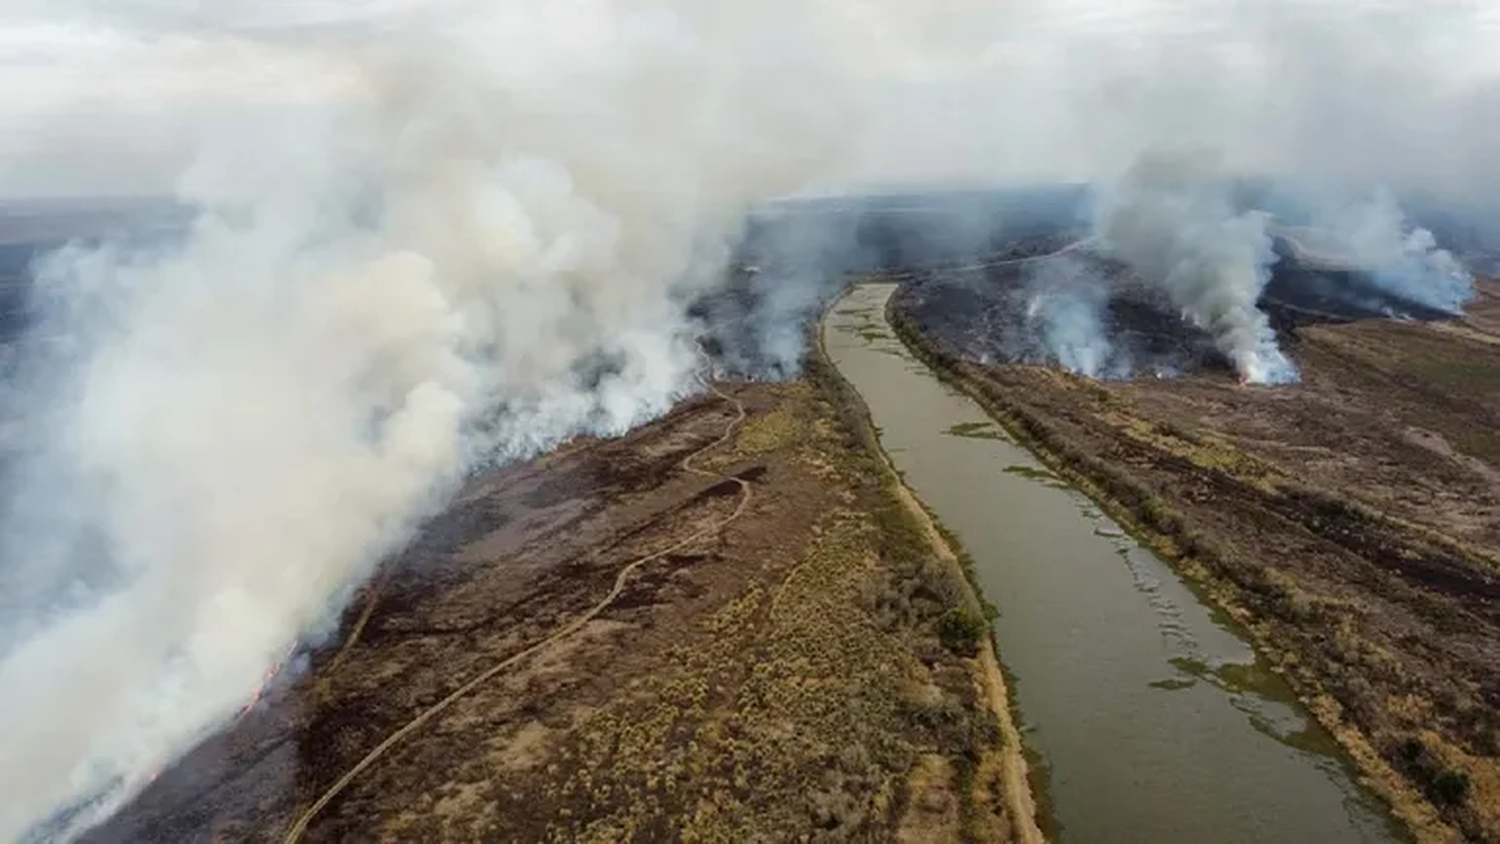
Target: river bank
[(1002, 772), (1147, 717), (1295, 510), (729, 624)]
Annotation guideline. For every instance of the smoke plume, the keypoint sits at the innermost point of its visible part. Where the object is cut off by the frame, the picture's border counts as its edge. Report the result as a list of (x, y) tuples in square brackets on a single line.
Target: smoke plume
[(1402, 258), (1065, 308), (430, 234), (789, 264), (1170, 219), (392, 291)]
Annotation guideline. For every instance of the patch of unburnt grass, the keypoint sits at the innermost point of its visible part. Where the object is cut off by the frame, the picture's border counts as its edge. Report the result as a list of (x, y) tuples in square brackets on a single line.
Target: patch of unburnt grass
[(764, 433), (781, 716)]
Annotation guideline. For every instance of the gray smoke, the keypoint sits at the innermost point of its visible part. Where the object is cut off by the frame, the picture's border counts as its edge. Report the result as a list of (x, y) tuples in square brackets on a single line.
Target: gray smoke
[(1171, 220), (792, 261), (1402, 258), (1065, 307), (434, 233)]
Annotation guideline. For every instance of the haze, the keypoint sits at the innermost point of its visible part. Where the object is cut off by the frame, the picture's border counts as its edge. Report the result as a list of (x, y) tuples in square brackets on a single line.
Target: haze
[(439, 234)]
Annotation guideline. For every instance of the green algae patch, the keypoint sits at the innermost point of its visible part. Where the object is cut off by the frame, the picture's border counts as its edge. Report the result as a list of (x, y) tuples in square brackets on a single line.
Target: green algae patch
[(978, 431)]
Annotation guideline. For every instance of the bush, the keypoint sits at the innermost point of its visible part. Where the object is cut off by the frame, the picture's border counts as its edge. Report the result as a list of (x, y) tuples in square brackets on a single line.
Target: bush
[(961, 630), (1450, 787), (1446, 786)]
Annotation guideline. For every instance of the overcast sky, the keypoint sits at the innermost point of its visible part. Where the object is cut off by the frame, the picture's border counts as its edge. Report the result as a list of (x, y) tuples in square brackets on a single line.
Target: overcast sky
[(441, 212), (115, 96)]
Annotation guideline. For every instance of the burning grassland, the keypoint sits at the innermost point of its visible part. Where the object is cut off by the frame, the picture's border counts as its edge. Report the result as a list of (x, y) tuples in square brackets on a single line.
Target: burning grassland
[(785, 673), (1097, 316), (418, 239), (1350, 520)]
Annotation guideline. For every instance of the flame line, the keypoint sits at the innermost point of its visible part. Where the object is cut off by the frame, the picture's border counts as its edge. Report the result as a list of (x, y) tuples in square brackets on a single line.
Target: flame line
[(299, 827), (265, 681)]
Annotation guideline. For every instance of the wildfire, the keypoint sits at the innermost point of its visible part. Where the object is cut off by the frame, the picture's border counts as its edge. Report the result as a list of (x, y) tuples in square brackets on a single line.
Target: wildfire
[(260, 691), (265, 681)]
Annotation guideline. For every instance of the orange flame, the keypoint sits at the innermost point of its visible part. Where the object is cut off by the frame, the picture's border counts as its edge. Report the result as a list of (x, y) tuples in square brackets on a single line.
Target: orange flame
[(265, 681)]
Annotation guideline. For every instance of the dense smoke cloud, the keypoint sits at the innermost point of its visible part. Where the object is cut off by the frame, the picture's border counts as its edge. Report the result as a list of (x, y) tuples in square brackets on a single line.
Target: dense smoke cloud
[(1170, 219), (371, 301), (434, 233)]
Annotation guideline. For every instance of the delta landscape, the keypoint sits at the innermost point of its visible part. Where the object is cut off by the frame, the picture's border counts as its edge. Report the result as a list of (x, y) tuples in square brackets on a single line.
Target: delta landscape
[(617, 468)]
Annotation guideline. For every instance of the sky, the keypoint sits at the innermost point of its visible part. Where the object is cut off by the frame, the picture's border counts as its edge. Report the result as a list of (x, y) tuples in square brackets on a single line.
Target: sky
[(117, 96), (439, 233)]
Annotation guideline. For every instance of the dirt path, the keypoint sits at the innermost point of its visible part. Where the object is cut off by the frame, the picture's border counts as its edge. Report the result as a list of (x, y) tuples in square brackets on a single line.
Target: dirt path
[(299, 827)]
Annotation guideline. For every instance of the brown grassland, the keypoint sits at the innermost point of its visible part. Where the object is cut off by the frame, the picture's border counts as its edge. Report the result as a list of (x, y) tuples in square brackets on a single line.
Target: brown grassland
[(792, 654)]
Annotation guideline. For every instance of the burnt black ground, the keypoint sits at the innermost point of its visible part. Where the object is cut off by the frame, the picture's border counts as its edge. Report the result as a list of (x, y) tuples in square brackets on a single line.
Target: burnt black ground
[(981, 312)]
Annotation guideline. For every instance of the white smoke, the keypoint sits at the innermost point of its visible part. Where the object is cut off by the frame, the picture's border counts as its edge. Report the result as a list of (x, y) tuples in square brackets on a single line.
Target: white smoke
[(1170, 219), (369, 303), (1065, 307), (457, 231), (1402, 258)]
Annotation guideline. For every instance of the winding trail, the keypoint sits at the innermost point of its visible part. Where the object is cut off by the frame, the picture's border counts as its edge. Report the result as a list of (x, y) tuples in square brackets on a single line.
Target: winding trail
[(299, 827), (377, 587), (1081, 243)]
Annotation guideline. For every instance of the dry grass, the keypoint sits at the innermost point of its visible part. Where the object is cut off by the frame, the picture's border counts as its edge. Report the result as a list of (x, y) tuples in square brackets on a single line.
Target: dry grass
[(777, 680)]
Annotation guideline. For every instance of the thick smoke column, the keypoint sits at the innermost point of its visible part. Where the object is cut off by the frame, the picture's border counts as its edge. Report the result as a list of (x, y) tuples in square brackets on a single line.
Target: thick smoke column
[(426, 277), (1170, 219)]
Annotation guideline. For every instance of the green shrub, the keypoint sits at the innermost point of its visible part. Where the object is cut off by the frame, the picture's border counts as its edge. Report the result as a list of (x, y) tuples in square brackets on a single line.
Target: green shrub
[(1450, 787), (1446, 786), (961, 630)]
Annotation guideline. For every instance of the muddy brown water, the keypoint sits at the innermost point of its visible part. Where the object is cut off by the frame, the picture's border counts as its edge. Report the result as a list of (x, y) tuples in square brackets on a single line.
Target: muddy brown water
[(1148, 716)]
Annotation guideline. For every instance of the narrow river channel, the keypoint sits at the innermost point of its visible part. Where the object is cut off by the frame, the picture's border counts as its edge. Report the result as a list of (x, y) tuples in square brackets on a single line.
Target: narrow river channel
[(1152, 719)]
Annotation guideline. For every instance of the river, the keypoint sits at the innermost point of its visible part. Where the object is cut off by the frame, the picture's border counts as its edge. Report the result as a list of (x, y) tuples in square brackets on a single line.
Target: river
[(1148, 716)]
